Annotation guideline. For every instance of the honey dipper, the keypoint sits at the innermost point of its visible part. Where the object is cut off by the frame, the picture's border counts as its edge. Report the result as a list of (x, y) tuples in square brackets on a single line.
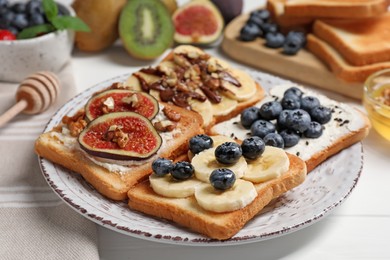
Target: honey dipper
[(34, 95)]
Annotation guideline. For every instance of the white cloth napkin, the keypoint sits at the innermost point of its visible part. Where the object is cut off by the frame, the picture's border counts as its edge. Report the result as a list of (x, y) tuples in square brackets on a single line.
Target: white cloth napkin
[(34, 222)]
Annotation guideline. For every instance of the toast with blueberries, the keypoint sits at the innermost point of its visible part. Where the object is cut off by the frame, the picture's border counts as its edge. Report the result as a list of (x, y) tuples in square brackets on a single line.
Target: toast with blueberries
[(223, 186)]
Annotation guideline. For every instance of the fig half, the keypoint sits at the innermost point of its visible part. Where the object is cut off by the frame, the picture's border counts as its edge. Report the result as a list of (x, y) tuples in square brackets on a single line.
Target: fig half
[(121, 100), (120, 136)]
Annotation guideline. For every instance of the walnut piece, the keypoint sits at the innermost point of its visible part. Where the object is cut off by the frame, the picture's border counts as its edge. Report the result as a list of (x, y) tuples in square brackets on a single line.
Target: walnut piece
[(171, 114), (165, 126), (116, 135)]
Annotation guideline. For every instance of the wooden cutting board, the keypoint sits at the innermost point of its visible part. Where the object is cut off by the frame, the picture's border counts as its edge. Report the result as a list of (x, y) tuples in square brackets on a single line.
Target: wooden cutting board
[(303, 67)]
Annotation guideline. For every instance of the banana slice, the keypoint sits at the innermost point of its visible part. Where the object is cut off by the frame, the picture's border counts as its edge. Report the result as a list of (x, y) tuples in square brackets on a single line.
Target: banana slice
[(241, 194), (217, 140), (205, 162), (272, 163), (245, 91), (167, 186), (224, 107), (204, 109), (155, 93), (135, 84)]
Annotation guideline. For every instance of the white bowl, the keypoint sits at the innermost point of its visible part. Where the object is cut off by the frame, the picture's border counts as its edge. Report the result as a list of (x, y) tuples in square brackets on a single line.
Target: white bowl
[(20, 58)]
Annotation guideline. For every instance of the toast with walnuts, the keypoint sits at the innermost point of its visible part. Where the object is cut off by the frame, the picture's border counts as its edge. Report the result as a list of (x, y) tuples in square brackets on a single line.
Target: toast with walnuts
[(218, 198), (313, 129), (190, 78)]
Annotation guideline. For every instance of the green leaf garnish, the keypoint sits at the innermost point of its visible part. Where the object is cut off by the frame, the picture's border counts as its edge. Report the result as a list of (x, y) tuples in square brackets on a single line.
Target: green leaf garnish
[(50, 8), (70, 22), (33, 31)]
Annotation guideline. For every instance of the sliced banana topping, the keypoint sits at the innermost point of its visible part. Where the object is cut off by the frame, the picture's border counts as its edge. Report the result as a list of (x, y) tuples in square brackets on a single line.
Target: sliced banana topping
[(245, 91), (205, 162), (204, 109), (224, 107), (271, 164), (134, 83), (240, 195), (167, 186)]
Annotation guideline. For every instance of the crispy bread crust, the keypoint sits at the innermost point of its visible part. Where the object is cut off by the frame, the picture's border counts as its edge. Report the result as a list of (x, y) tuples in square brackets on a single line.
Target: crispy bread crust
[(115, 185), (276, 8), (188, 213), (336, 9), (365, 47), (338, 65)]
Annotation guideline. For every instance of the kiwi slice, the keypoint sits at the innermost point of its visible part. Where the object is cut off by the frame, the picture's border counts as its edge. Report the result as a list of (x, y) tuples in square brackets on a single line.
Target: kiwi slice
[(146, 28)]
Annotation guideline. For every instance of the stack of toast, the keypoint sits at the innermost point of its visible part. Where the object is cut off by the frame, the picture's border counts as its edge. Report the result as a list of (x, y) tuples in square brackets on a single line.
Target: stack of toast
[(350, 36)]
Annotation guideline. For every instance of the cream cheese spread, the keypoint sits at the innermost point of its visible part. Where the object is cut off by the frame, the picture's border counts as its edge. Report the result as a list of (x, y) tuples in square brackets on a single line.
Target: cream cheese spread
[(345, 119)]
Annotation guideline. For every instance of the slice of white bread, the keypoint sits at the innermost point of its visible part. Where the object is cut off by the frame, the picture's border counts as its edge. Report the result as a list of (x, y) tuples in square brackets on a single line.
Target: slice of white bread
[(186, 211), (335, 8), (347, 126), (211, 113), (338, 65), (276, 8), (360, 42), (112, 180)]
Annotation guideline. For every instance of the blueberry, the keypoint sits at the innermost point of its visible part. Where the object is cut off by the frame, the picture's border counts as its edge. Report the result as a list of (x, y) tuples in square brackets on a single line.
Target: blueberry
[(255, 20), (252, 147), (294, 42), (34, 6), (274, 139), (263, 14), (291, 102), (290, 137), (6, 19), (314, 130), (270, 110), (261, 128), (182, 170), (248, 116), (36, 19), (282, 119), (309, 102), (20, 21), (199, 143), (269, 28), (222, 179), (3, 3), (249, 32), (162, 166), (296, 35), (228, 153), (321, 114), (274, 40), (298, 120), (19, 8), (293, 90)]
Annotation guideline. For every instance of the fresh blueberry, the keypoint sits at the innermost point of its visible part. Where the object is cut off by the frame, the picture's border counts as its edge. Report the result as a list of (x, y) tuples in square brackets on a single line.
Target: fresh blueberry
[(263, 14), (182, 170), (314, 130), (252, 147), (270, 110), (199, 143), (309, 102), (294, 42), (36, 19), (255, 20), (19, 8), (20, 21), (274, 139), (269, 28), (3, 3), (249, 32), (293, 90), (261, 128), (298, 120), (321, 114), (274, 40), (162, 166), (248, 116), (299, 36), (290, 137), (282, 119), (228, 153), (291, 102), (34, 6), (6, 19), (222, 179)]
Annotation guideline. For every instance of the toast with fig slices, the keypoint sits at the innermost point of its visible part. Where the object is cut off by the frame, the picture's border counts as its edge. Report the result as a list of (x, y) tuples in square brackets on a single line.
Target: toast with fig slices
[(189, 77), (112, 168)]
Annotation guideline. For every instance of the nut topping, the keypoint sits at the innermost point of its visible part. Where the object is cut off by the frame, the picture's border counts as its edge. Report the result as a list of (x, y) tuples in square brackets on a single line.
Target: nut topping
[(165, 126), (131, 99), (171, 114), (108, 105), (116, 135)]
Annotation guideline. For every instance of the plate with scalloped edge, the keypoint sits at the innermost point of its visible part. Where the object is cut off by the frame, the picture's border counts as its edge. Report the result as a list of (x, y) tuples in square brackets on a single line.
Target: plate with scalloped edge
[(325, 188)]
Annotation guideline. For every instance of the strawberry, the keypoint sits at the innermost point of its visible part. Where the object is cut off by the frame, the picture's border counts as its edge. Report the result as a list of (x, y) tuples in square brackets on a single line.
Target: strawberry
[(6, 35)]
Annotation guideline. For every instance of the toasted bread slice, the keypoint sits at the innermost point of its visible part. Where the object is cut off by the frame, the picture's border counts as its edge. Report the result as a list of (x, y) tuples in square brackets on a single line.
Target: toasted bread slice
[(338, 65), (359, 42), (347, 126), (174, 66), (335, 8), (186, 211), (108, 178), (276, 8)]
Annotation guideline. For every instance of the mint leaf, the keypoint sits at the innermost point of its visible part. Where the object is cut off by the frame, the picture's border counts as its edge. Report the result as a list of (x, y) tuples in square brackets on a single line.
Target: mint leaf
[(33, 31), (50, 8), (70, 22)]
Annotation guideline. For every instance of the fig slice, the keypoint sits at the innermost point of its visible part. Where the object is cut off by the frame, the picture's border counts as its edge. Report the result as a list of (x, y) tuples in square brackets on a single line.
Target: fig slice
[(120, 136), (121, 100)]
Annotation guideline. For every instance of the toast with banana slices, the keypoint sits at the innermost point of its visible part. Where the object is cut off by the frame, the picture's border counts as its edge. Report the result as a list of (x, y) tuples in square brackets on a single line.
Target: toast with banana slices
[(217, 199), (190, 78)]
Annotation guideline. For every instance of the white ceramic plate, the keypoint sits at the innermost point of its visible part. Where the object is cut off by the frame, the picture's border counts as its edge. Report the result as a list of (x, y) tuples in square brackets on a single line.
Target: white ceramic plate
[(325, 188)]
